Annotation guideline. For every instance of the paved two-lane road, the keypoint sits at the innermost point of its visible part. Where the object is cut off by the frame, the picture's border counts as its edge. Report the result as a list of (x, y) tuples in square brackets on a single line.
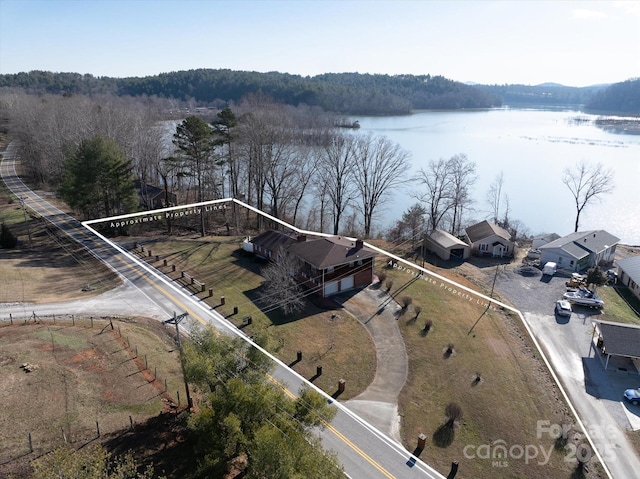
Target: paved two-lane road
[(363, 451)]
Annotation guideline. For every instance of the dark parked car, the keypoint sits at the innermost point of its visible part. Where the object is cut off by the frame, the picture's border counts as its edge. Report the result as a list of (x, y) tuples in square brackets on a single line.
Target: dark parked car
[(633, 396)]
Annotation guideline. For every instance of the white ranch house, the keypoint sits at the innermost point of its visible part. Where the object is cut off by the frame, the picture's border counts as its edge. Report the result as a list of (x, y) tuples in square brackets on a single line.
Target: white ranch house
[(580, 251)]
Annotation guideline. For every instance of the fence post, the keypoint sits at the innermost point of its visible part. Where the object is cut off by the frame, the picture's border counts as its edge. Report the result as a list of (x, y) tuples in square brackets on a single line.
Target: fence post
[(98, 428), (30, 443), (64, 436), (131, 422), (73, 319), (178, 394), (11, 318), (146, 366)]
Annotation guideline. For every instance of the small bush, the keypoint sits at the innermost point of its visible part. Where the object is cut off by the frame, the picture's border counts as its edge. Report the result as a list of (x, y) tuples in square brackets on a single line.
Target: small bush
[(417, 309), (428, 324), (453, 413), (406, 301), (389, 285), (7, 239)]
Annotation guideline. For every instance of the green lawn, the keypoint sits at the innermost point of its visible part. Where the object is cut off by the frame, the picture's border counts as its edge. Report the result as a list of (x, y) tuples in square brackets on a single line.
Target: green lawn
[(617, 301)]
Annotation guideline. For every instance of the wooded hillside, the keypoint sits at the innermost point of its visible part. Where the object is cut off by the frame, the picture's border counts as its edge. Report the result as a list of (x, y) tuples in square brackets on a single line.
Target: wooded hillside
[(345, 93)]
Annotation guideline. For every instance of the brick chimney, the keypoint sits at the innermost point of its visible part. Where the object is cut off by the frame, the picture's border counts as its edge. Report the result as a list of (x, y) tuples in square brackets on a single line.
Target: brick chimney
[(301, 238), (359, 244)]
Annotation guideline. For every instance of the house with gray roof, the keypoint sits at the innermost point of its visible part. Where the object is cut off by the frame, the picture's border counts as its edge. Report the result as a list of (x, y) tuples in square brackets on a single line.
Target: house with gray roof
[(447, 246), (629, 274), (580, 251), (618, 339), (487, 238), (543, 240)]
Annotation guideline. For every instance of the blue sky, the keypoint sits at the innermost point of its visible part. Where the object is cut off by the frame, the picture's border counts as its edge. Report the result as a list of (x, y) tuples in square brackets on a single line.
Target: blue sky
[(575, 43)]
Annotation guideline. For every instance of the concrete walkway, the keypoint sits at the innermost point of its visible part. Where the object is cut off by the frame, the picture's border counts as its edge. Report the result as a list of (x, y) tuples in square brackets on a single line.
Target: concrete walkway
[(378, 404)]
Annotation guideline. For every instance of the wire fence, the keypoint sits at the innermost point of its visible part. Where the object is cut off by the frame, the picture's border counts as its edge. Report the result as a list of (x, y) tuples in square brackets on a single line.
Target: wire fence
[(24, 439)]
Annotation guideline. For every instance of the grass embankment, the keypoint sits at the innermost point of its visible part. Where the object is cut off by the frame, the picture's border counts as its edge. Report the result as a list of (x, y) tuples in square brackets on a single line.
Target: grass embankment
[(494, 374), (617, 301), (501, 408)]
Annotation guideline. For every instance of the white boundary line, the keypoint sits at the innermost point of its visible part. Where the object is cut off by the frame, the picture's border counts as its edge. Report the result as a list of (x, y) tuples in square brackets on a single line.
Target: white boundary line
[(234, 330)]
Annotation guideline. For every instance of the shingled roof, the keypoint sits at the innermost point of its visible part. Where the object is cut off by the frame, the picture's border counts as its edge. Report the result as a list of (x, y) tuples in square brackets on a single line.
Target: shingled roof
[(484, 229), (273, 240), (581, 243), (326, 252), (620, 339)]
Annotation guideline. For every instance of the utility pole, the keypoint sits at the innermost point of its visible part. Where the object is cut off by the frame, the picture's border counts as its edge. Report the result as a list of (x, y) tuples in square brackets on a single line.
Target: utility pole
[(24, 210), (176, 320)]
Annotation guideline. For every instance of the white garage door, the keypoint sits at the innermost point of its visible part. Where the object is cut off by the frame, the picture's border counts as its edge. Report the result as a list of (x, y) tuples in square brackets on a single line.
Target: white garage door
[(330, 288), (347, 283)]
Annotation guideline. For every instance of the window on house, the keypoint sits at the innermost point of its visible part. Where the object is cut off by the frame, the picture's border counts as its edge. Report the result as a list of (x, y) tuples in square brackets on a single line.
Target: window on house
[(559, 259), (571, 263), (483, 247)]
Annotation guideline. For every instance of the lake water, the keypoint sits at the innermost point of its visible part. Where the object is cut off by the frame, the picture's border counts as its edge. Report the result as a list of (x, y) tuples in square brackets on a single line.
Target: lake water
[(531, 148)]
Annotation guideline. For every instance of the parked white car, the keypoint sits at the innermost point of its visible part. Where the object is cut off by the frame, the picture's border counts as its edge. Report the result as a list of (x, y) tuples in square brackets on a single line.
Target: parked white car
[(563, 308)]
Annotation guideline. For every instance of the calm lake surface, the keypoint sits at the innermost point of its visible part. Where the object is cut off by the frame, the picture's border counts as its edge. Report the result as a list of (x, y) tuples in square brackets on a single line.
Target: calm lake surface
[(531, 148)]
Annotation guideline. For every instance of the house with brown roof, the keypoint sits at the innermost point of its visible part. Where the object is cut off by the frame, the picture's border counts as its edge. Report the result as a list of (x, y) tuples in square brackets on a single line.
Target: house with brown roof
[(266, 245), (328, 265), (488, 238)]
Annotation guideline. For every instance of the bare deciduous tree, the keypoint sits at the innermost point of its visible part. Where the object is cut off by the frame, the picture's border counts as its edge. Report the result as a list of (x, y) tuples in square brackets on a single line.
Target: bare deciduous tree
[(380, 166), (495, 196), (438, 197), (463, 177), (280, 289), (336, 169), (586, 183)]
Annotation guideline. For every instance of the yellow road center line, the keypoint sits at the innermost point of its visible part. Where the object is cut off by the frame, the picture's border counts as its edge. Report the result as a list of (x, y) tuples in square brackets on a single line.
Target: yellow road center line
[(337, 433)]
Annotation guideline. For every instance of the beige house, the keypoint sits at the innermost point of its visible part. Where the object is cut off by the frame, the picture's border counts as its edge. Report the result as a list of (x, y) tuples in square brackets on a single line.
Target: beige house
[(447, 246), (489, 239)]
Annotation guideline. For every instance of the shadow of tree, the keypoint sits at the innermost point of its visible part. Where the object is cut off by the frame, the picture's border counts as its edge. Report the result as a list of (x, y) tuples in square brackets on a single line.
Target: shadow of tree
[(443, 437)]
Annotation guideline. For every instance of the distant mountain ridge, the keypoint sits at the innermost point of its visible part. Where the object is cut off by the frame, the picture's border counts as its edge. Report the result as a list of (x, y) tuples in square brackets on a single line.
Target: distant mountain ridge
[(343, 93)]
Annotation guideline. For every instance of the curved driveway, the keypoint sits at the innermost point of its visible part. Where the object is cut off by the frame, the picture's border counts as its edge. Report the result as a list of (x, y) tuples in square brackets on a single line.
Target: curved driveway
[(363, 450), (378, 404)]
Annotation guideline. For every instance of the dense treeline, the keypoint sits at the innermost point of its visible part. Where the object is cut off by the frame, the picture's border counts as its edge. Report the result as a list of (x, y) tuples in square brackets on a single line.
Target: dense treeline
[(547, 94), (621, 97), (345, 93)]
